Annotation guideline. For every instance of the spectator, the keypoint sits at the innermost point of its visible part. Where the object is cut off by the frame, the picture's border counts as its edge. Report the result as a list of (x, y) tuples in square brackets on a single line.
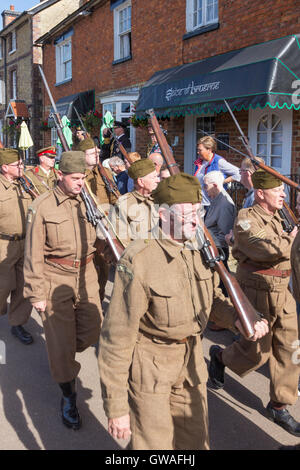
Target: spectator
[(117, 165), (206, 149), (219, 218), (153, 147), (164, 172), (157, 159)]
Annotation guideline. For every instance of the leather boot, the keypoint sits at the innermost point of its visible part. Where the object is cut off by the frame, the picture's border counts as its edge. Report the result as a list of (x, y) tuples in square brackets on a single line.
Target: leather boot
[(216, 367), (22, 335), (282, 417), (69, 412)]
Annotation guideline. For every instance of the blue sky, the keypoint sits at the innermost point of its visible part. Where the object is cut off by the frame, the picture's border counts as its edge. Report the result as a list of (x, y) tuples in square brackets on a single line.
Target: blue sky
[(20, 5)]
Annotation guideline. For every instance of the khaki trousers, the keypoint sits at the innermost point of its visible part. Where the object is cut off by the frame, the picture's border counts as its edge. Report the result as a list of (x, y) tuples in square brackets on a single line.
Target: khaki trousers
[(278, 346), (12, 282), (72, 318), (166, 412)]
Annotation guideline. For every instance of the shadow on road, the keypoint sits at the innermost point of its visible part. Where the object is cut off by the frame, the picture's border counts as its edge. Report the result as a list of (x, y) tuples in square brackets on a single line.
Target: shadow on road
[(31, 400)]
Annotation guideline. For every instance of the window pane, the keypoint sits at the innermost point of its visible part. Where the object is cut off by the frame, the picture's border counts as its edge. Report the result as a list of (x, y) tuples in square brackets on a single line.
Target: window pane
[(124, 46), (277, 137), (67, 52), (261, 150), (263, 124), (111, 107), (276, 149), (262, 137), (125, 107), (68, 69), (276, 162)]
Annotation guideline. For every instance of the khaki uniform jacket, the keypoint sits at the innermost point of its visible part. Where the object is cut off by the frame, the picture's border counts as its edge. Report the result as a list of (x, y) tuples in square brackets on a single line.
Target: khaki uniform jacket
[(163, 289), (14, 203), (259, 239), (57, 225), (134, 216), (94, 178), (295, 260), (40, 180)]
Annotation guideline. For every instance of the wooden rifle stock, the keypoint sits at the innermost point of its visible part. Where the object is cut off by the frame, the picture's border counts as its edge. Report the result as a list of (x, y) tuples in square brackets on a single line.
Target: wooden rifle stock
[(28, 186), (248, 316)]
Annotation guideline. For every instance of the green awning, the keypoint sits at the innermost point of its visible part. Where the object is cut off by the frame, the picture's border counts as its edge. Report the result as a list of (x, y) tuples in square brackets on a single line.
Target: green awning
[(262, 75)]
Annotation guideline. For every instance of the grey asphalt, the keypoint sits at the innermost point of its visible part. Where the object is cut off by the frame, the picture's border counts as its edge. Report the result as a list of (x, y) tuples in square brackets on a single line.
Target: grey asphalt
[(29, 403)]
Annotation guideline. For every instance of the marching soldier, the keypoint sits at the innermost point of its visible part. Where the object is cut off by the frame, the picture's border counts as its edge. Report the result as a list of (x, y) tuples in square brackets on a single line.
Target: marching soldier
[(263, 252), (44, 176), (103, 195), (60, 277), (151, 360), (14, 203), (134, 213)]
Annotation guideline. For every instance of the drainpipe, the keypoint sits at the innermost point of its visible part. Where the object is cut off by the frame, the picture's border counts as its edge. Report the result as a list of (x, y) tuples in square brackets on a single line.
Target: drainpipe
[(5, 85)]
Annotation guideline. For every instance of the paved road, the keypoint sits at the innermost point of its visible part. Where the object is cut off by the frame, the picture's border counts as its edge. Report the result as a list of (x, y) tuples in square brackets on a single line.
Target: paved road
[(29, 403)]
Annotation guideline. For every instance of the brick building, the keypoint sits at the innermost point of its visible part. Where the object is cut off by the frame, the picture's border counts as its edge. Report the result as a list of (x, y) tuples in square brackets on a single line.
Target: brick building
[(19, 77), (252, 53)]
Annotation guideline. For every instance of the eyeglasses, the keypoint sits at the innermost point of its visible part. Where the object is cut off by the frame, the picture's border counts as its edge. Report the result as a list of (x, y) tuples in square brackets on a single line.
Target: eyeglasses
[(242, 170), (198, 213), (16, 164)]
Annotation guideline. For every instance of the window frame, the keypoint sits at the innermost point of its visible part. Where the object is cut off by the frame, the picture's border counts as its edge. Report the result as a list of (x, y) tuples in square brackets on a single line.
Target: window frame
[(12, 42), (190, 12), (117, 35), (61, 76), (117, 101), (13, 84)]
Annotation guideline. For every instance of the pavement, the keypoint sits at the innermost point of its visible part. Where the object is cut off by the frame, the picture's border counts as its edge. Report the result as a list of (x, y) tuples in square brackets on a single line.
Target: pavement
[(30, 400)]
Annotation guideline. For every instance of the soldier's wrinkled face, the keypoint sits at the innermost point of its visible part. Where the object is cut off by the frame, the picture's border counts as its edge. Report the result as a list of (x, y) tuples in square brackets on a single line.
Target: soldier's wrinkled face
[(298, 204), (185, 220), (149, 182), (72, 183), (274, 198), (92, 157)]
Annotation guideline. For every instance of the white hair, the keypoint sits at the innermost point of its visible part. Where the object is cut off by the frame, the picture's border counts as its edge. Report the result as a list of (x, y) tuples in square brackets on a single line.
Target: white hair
[(215, 177), (116, 161)]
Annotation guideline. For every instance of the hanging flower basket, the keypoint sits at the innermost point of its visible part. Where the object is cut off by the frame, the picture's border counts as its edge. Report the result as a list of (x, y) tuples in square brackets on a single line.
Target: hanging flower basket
[(13, 127), (44, 126), (92, 122), (138, 122)]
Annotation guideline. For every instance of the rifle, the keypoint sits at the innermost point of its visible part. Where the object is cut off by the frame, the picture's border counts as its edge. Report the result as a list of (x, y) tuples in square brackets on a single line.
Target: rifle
[(95, 217), (247, 314), (287, 215), (28, 186), (109, 184)]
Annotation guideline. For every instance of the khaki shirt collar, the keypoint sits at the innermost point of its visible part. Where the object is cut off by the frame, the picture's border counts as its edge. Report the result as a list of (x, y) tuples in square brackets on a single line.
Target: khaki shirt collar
[(264, 215), (6, 183), (62, 197), (140, 197)]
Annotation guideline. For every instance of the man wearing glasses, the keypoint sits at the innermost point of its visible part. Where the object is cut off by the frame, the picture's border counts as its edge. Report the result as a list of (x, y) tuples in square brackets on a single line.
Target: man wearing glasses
[(14, 203)]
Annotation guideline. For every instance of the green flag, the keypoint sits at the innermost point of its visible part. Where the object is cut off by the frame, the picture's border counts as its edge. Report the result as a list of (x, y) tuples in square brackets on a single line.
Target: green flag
[(66, 131), (108, 122)]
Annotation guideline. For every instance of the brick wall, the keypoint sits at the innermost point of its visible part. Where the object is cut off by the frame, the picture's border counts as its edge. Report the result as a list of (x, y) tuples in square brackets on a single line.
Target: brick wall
[(157, 43)]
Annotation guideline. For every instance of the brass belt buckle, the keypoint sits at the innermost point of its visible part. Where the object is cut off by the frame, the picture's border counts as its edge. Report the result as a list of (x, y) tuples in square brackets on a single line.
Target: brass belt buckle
[(76, 263), (15, 238)]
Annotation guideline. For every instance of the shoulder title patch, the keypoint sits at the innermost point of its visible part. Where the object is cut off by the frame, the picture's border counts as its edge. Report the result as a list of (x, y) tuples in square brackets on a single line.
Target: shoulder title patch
[(244, 224), (124, 269)]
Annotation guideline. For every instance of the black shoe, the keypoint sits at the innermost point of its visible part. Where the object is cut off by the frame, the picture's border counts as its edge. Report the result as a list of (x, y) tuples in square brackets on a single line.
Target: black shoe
[(216, 368), (69, 411), (284, 419), (21, 334)]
